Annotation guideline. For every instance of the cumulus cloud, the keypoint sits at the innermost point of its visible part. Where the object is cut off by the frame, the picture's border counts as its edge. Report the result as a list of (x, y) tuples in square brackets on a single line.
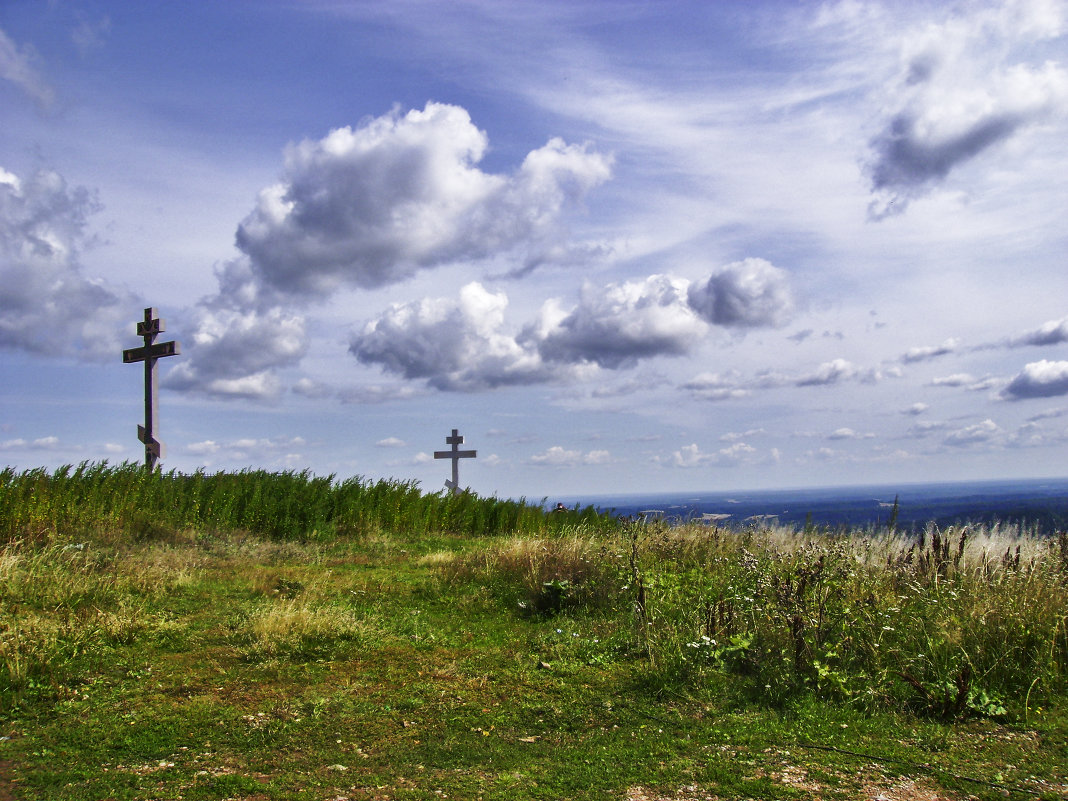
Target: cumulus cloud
[(557, 456), (17, 66), (716, 387), (961, 92), (616, 325), (1054, 332), (1043, 379), (915, 409), (827, 373), (39, 444), (277, 450), (925, 428), (452, 344), (926, 353), (731, 385), (746, 294), (235, 353), (966, 381), (464, 344), (691, 456), (848, 433), (369, 206), (974, 434), (390, 442), (48, 305)]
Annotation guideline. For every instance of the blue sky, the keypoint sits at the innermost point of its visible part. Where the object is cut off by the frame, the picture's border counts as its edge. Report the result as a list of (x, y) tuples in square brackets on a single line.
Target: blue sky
[(620, 246)]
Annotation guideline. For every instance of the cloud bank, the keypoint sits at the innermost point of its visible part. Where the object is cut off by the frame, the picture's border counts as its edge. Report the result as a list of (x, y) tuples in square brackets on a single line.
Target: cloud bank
[(464, 345)]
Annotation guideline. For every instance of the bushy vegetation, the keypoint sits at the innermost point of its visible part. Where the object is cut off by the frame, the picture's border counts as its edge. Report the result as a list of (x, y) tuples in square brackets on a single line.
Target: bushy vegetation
[(955, 624), (97, 498)]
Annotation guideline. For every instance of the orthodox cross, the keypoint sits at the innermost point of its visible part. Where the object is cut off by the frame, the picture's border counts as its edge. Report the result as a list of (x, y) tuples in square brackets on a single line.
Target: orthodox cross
[(456, 455), (148, 353)]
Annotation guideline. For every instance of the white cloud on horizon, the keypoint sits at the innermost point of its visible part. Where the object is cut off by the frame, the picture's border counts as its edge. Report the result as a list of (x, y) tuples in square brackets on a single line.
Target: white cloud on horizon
[(690, 456), (558, 456), (979, 433)]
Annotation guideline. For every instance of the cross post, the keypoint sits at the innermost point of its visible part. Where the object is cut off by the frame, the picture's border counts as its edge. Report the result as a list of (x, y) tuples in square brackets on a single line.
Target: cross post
[(456, 455), (150, 328)]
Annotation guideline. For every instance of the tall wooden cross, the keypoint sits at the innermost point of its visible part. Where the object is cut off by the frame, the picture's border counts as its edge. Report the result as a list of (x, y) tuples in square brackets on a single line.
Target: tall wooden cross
[(456, 455), (149, 328)]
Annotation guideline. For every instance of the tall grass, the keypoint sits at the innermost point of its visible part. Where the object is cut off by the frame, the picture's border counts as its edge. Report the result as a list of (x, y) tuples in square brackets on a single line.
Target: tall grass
[(98, 498), (956, 623)]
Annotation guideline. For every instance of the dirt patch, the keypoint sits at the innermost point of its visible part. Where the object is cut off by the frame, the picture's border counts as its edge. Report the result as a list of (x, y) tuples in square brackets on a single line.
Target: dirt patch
[(7, 781), (690, 793), (901, 790)]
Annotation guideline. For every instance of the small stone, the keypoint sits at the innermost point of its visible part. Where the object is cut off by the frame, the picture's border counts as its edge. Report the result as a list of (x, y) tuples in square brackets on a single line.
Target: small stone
[(544, 666)]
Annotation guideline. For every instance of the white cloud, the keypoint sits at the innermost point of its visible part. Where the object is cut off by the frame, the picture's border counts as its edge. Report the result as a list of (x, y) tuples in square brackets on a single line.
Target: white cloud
[(236, 353), (48, 306), (921, 354), (965, 380), (982, 432), (746, 294), (557, 456), (1042, 379), (616, 325), (691, 456), (464, 345), (370, 206), (207, 446), (916, 409), (848, 433), (390, 442), (962, 90), (735, 436), (456, 345), (925, 428), (17, 66), (40, 444), (829, 373), (377, 393), (1054, 332), (276, 450)]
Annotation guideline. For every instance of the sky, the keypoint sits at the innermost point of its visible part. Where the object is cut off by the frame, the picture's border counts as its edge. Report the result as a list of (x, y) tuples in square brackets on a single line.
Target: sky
[(619, 246)]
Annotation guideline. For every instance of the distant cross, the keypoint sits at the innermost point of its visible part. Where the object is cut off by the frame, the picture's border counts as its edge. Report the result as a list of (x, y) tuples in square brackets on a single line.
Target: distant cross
[(456, 455), (149, 353)]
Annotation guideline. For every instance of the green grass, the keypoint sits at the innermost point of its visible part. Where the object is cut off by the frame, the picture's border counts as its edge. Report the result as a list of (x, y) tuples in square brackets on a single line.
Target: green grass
[(95, 499), (573, 659)]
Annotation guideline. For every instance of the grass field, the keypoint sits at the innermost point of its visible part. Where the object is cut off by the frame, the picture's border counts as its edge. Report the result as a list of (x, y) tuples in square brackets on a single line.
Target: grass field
[(150, 657)]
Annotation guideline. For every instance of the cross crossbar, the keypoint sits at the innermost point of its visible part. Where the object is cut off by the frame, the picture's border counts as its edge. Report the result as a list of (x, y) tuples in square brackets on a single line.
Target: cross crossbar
[(157, 351), (149, 328)]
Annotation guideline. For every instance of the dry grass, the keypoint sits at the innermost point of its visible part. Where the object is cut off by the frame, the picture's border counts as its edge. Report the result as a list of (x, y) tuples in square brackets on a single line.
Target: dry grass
[(296, 627)]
